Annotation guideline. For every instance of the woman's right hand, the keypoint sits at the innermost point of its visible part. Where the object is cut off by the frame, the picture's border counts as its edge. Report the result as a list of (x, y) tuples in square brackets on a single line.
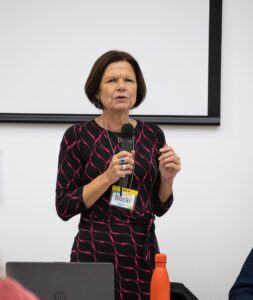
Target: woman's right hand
[(95, 189), (122, 164)]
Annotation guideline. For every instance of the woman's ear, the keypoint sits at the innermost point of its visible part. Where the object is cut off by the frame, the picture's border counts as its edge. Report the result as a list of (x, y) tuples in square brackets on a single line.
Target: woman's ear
[(99, 102)]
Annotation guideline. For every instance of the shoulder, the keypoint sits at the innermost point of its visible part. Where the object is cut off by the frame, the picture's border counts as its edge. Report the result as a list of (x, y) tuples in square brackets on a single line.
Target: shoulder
[(148, 126), (248, 265), (73, 132), (83, 134), (80, 130), (151, 129)]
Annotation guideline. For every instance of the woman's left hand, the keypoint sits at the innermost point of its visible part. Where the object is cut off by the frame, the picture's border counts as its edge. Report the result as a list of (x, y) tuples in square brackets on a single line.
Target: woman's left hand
[(169, 163)]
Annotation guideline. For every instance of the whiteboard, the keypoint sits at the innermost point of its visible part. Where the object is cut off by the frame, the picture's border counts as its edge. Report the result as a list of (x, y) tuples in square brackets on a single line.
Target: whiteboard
[(49, 46)]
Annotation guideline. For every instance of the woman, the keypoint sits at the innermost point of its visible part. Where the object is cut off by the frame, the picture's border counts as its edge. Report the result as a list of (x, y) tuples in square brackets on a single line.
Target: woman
[(91, 163)]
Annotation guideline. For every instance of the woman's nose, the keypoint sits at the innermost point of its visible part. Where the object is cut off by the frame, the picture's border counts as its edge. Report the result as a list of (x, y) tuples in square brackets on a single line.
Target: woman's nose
[(121, 85)]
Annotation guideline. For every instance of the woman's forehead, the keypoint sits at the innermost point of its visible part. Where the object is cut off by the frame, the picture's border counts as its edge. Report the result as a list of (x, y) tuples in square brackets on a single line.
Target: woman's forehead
[(120, 67)]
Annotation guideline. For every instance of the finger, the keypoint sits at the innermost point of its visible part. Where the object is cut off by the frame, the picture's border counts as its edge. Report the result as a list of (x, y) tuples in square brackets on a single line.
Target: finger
[(122, 160), (166, 155), (178, 160), (124, 154), (173, 166), (126, 167), (176, 156), (125, 160), (170, 161), (125, 173), (167, 151), (166, 148)]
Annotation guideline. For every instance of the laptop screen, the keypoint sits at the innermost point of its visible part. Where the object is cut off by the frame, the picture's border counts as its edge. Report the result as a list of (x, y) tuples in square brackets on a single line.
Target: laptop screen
[(65, 281)]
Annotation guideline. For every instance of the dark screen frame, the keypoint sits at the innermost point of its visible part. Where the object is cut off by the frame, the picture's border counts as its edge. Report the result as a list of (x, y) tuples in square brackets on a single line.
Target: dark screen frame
[(214, 83)]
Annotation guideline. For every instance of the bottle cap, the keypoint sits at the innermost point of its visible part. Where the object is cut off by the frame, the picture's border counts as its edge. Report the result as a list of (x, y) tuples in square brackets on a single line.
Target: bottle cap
[(160, 257)]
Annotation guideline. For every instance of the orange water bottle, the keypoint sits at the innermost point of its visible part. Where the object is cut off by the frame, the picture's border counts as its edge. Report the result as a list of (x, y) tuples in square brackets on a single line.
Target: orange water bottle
[(160, 283)]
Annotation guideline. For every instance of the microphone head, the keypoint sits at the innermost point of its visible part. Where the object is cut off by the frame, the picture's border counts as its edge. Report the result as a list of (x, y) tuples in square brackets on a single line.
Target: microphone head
[(127, 131)]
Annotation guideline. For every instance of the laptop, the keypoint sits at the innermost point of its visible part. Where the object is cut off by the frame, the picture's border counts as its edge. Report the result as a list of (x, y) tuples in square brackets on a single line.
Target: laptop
[(65, 281)]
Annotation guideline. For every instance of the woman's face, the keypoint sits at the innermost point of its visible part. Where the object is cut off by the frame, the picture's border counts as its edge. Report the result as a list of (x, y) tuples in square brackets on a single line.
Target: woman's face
[(118, 87)]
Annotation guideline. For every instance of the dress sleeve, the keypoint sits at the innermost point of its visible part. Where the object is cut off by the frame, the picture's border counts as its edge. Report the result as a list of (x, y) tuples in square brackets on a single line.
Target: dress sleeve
[(69, 187), (160, 208)]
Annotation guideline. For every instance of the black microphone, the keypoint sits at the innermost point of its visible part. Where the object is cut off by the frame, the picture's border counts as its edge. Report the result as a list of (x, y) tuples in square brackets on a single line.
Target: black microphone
[(127, 143)]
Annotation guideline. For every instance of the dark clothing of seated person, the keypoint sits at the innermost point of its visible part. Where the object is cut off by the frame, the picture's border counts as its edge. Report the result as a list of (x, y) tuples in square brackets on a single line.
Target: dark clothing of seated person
[(243, 286)]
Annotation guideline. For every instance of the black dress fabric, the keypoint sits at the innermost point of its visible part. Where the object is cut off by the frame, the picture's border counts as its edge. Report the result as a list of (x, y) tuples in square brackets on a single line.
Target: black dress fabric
[(108, 233)]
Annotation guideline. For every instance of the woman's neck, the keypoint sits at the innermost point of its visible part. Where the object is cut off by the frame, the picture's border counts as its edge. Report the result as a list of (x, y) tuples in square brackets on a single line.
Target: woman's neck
[(113, 122)]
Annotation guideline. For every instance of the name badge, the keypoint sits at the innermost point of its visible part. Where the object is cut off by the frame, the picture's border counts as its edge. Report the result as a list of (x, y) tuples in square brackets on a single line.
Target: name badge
[(126, 200)]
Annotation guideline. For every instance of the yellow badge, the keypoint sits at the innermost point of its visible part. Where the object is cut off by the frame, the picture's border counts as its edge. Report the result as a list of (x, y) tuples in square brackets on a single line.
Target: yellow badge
[(125, 200)]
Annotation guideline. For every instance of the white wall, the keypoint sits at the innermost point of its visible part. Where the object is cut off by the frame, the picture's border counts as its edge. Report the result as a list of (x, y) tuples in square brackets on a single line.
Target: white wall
[(208, 232)]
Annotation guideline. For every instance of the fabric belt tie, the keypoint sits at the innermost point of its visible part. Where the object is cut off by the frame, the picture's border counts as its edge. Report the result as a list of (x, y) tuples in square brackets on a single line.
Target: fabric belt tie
[(150, 244)]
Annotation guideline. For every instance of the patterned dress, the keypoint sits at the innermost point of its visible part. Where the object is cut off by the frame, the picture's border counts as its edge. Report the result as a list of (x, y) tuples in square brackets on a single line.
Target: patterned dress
[(109, 233)]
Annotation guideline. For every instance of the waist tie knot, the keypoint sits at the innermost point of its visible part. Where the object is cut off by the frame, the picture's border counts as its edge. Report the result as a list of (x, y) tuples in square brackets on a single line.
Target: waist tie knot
[(150, 244)]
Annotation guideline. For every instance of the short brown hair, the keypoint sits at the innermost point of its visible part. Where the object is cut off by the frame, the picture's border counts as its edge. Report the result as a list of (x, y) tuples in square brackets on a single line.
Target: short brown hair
[(97, 71)]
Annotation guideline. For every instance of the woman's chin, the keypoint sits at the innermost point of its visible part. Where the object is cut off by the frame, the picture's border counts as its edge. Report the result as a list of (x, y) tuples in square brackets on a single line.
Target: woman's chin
[(121, 107)]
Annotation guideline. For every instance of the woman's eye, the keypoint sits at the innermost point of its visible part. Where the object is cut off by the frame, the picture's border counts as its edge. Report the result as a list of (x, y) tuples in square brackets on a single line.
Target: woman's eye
[(112, 80), (129, 80)]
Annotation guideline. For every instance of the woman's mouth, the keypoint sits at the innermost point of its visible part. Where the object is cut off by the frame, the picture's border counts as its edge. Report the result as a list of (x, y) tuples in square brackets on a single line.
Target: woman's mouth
[(120, 98)]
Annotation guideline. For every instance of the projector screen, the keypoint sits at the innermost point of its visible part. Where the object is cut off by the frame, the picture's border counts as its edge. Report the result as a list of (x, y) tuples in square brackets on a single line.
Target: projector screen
[(49, 46)]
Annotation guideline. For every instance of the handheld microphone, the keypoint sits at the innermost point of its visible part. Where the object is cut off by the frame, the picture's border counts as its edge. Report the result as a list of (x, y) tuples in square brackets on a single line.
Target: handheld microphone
[(127, 142)]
